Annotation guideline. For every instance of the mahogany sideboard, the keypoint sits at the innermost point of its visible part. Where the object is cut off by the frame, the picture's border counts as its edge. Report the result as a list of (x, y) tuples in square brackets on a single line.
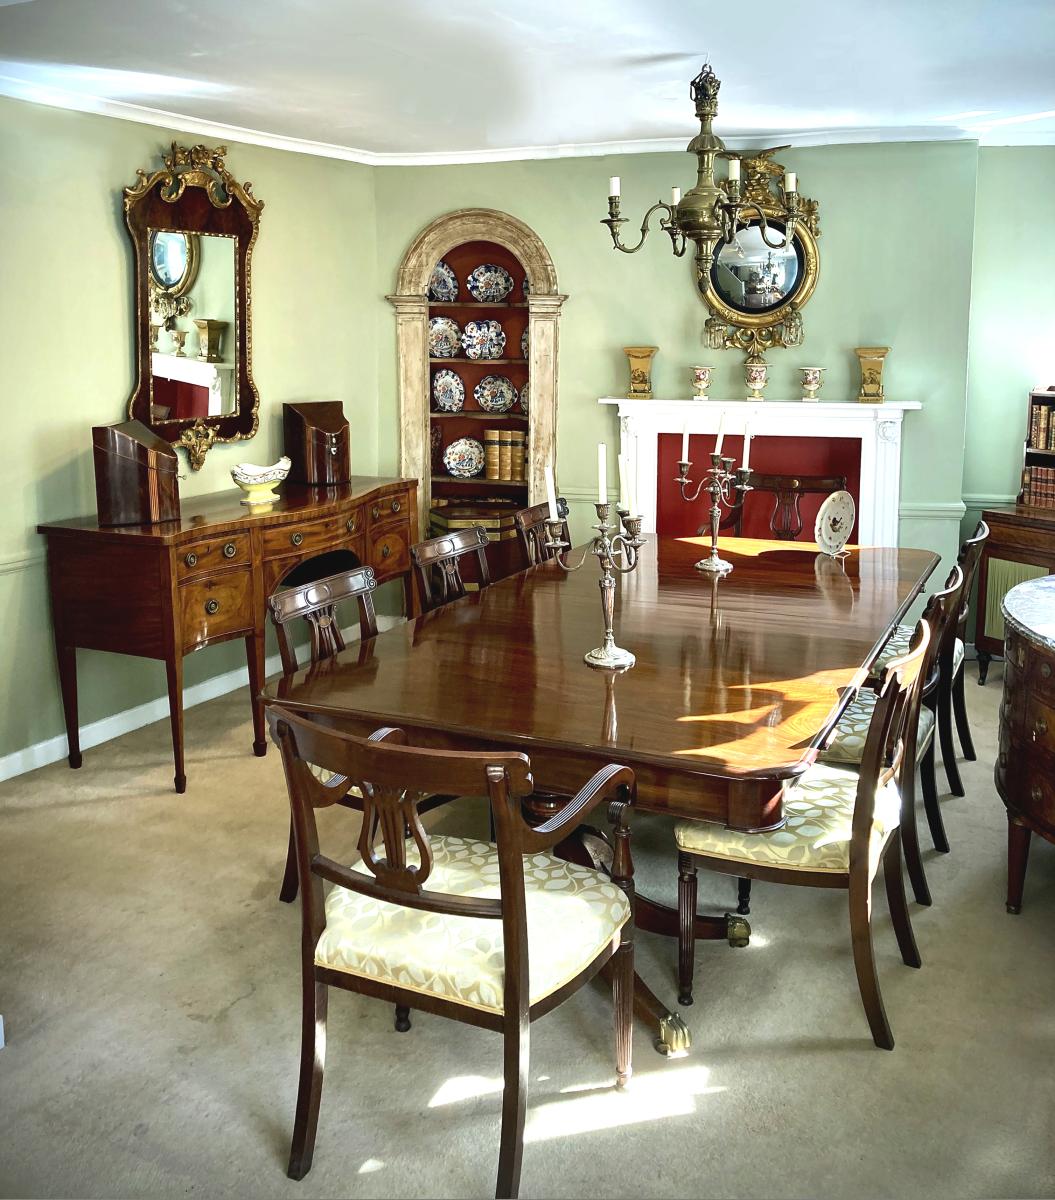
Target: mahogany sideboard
[(1025, 766), (163, 591)]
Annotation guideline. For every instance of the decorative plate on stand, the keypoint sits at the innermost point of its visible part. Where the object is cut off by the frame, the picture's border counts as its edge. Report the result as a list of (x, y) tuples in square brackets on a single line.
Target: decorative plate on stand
[(483, 339), (489, 283), (835, 522), (444, 337), (495, 394), (464, 458), (443, 286), (448, 391)]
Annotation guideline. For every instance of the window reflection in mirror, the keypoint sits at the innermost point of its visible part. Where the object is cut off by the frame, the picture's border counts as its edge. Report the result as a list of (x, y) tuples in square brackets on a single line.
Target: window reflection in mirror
[(751, 276), (192, 324)]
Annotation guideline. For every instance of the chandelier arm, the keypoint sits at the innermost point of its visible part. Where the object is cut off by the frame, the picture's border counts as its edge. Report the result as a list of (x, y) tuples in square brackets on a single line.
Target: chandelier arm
[(614, 221)]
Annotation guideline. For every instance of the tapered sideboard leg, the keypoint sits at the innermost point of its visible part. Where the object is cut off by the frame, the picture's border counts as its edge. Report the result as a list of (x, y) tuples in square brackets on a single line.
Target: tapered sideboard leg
[(174, 671), (1018, 838), (68, 681), (254, 653)]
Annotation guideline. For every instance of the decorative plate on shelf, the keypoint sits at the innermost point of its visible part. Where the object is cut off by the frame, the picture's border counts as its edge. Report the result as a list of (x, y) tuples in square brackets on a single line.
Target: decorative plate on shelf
[(835, 521), (448, 391), (464, 458), (443, 286), (483, 339), (524, 343), (526, 287), (444, 337), (524, 398), (495, 394), (489, 283)]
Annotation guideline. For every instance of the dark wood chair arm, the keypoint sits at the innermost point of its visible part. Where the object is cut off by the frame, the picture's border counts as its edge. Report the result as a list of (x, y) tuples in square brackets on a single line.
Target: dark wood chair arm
[(613, 783)]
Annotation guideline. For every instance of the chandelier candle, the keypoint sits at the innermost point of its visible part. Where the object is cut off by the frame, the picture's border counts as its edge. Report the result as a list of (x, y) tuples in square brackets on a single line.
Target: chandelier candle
[(724, 487)]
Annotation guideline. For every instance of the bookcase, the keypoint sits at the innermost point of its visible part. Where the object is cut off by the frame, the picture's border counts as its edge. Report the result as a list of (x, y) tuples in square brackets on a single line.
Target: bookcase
[(1038, 467)]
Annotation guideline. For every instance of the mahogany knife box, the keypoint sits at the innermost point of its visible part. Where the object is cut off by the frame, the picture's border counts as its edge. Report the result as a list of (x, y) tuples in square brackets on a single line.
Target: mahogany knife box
[(317, 441), (135, 475)]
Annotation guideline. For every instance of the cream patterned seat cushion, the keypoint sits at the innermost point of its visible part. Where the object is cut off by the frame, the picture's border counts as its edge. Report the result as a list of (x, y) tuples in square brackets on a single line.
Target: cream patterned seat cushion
[(818, 808), (848, 744), (572, 914), (901, 642)]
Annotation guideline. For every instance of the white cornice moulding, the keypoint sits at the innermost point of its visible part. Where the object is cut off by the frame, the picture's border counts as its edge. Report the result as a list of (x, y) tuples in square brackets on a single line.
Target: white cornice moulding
[(36, 93)]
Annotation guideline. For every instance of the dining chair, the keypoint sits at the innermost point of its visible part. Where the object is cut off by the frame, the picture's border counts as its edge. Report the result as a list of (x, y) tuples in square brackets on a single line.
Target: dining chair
[(840, 826), (316, 604), (846, 746), (532, 531), (950, 697), (785, 521), (494, 935), (437, 565)]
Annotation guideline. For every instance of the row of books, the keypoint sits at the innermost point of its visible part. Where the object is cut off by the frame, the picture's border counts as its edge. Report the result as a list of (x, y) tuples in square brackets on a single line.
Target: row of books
[(1038, 486), (505, 454), (1042, 428)]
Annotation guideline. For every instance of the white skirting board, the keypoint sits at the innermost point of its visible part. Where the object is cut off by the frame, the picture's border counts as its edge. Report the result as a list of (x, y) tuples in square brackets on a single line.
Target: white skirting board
[(54, 749)]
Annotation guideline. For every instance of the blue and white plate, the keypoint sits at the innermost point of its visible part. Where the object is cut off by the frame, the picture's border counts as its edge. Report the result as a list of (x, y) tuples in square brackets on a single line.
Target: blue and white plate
[(483, 339), (448, 391), (524, 343), (495, 394), (464, 458), (489, 283), (443, 286), (524, 398), (444, 337)]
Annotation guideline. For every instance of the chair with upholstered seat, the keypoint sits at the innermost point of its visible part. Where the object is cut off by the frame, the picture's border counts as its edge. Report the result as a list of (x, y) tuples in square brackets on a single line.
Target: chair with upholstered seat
[(846, 747), (437, 565), (841, 826), (785, 521), (491, 935), (532, 530)]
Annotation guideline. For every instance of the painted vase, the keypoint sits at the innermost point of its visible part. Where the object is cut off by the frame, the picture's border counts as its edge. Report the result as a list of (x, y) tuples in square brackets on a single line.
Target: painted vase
[(812, 382), (640, 359), (756, 376), (701, 381)]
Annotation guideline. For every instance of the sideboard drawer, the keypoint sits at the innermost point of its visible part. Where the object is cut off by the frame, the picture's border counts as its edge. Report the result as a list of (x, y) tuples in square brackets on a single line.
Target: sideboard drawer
[(215, 606), (389, 553), (390, 508), (306, 538), (199, 558), (353, 522)]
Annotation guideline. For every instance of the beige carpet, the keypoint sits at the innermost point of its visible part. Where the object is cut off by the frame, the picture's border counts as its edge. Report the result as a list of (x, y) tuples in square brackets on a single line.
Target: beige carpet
[(149, 989)]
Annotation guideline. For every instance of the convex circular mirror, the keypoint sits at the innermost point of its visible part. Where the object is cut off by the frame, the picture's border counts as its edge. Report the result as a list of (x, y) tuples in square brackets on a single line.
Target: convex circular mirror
[(173, 261), (752, 276)]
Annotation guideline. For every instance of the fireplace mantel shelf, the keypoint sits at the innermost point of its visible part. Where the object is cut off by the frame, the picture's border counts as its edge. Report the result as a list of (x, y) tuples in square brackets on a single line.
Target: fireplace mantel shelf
[(829, 408)]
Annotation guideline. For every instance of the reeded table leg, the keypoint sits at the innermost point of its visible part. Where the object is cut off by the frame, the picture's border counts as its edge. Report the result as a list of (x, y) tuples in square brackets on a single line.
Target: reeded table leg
[(1018, 839)]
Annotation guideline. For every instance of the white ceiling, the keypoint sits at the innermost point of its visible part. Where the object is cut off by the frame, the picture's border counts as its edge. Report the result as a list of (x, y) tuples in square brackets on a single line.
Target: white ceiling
[(395, 81)]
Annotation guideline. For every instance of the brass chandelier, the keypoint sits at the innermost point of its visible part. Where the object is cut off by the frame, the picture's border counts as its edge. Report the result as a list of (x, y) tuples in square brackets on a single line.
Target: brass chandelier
[(712, 212)]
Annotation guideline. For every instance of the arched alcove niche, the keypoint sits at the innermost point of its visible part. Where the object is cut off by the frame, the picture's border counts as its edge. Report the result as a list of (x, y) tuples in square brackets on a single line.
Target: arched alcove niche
[(412, 318)]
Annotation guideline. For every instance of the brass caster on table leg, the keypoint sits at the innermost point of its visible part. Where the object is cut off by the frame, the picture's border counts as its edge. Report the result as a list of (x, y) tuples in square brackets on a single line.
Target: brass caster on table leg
[(737, 931), (674, 1038)]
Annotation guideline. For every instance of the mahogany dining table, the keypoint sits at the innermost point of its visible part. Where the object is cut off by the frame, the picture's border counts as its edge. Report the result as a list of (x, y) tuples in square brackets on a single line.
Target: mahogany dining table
[(738, 683)]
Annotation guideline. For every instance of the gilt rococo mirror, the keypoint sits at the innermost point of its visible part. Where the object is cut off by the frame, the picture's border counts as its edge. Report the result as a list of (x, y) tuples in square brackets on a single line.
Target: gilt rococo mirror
[(193, 227)]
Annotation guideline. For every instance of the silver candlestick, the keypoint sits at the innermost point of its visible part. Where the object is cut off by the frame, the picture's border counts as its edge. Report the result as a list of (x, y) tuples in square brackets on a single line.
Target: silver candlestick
[(726, 488), (608, 551)]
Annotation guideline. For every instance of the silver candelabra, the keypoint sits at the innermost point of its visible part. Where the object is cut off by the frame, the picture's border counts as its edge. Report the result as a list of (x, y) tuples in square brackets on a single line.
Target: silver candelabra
[(725, 487), (608, 551)]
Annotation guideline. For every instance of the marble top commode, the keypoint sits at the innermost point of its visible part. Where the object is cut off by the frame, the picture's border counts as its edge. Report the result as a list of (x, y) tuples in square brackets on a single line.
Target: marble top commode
[(1029, 609)]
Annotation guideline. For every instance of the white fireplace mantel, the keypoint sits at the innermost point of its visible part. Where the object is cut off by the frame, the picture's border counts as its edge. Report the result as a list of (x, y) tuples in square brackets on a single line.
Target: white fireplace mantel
[(217, 377), (876, 426)]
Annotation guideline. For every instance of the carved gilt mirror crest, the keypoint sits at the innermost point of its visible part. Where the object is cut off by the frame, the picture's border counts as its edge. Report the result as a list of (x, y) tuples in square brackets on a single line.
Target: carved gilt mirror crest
[(193, 227), (759, 283)]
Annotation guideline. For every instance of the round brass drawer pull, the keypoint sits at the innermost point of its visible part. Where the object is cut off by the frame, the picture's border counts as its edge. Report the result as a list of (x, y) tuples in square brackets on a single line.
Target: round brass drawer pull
[(352, 524), (1035, 792), (296, 538), (396, 506), (375, 512), (212, 607), (1045, 670), (230, 550), (386, 550), (191, 559)]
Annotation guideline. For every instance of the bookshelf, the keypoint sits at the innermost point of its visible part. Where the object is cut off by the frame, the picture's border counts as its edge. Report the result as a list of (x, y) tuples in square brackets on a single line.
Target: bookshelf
[(1038, 467)]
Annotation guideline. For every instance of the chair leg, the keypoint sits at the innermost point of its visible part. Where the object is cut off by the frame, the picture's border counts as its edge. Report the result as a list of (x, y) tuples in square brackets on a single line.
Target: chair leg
[(948, 750), (865, 963), (623, 1003), (895, 895), (287, 893), (930, 800), (402, 1018), (686, 926), (743, 897), (959, 708), (514, 1107), (312, 1061), (910, 840)]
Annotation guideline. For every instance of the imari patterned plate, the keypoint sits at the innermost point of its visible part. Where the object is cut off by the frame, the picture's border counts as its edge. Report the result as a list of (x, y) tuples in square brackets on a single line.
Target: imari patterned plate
[(483, 339), (524, 343), (448, 391), (495, 394), (464, 458), (444, 337), (524, 398), (443, 286), (489, 283)]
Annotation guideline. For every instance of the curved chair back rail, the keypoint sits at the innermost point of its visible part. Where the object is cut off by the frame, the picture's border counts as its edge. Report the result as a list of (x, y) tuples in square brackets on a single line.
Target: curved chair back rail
[(532, 530), (969, 557), (316, 603), (437, 565)]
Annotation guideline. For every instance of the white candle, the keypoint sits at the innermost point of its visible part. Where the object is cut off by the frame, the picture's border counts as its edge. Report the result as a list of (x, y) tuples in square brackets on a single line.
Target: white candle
[(721, 433), (675, 196), (734, 168), (613, 186), (790, 181), (602, 473), (624, 495), (685, 443), (551, 491), (747, 445), (631, 493)]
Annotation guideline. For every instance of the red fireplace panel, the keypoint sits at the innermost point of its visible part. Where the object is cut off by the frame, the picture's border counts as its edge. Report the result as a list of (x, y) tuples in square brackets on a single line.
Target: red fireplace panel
[(769, 455), (181, 399)]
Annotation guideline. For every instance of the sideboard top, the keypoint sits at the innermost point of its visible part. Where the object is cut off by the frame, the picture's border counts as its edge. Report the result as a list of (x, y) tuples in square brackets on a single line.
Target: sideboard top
[(1029, 608), (223, 510)]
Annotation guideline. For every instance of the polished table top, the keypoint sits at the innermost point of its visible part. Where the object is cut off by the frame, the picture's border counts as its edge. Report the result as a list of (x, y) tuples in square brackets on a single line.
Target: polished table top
[(738, 678)]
